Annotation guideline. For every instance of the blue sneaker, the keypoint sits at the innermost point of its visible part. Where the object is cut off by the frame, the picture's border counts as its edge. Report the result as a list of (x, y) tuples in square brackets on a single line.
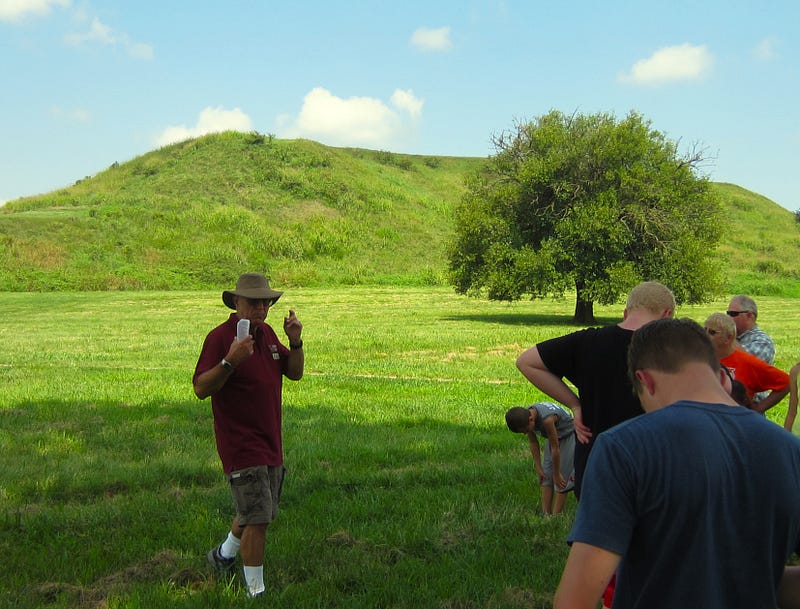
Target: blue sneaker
[(223, 566)]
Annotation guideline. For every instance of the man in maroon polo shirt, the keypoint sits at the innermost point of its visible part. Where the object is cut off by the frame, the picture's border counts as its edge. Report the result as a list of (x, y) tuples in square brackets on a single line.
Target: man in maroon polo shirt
[(244, 378)]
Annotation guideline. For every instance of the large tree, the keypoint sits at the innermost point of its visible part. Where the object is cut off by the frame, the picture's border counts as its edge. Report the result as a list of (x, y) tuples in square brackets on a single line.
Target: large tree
[(589, 203)]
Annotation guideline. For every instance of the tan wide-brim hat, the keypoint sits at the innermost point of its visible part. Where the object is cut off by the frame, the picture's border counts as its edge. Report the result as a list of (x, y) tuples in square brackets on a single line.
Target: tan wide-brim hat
[(251, 285)]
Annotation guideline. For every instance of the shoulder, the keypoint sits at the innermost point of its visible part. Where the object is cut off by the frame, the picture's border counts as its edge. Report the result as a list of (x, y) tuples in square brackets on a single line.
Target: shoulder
[(761, 335), (553, 409), (586, 335), (543, 409), (606, 344), (755, 334), (561, 348), (656, 421), (739, 356), (748, 359), (222, 329), (563, 339)]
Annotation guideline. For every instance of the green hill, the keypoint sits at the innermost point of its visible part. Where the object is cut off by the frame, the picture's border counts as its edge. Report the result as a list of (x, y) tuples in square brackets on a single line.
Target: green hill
[(760, 250), (194, 214)]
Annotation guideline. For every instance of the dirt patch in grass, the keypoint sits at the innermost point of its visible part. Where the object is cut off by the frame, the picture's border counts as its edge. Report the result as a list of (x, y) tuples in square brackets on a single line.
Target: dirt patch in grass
[(165, 566)]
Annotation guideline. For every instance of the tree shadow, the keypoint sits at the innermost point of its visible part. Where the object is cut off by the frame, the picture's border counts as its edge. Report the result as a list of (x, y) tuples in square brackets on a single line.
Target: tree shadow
[(530, 319), (363, 499)]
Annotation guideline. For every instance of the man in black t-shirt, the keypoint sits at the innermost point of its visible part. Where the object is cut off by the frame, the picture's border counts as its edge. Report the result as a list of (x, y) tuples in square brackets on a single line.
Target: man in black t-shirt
[(595, 362)]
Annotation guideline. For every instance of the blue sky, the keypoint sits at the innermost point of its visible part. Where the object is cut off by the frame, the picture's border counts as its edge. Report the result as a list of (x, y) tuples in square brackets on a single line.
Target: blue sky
[(90, 83)]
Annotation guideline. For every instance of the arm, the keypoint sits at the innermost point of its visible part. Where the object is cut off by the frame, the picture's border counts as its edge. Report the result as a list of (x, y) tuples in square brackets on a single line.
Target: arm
[(533, 443), (532, 367), (211, 381), (555, 450), (771, 379), (791, 413), (768, 402), (789, 589), (586, 574), (295, 363), (214, 379)]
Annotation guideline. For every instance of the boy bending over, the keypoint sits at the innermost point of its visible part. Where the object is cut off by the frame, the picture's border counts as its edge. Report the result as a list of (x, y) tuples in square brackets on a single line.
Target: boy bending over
[(556, 472)]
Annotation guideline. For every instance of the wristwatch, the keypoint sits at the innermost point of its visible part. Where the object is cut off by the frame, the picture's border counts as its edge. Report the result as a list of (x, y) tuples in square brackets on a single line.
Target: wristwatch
[(227, 365)]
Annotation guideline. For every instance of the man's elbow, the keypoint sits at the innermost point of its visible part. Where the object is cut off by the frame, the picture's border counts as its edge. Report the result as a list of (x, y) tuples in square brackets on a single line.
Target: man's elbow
[(522, 361), (200, 392), (529, 362), (294, 375)]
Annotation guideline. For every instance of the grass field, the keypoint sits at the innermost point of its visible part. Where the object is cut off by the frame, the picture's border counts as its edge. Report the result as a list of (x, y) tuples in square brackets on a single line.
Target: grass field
[(404, 490)]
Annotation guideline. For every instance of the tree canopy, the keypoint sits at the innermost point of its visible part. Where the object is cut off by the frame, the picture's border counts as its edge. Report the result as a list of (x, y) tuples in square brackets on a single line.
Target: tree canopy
[(590, 203)]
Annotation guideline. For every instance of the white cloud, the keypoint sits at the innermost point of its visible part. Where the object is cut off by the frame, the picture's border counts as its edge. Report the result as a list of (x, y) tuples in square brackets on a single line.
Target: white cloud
[(139, 50), (671, 64), (405, 100), (77, 115), (432, 39), (17, 10), (211, 120), (100, 33), (356, 121), (340, 121), (766, 50)]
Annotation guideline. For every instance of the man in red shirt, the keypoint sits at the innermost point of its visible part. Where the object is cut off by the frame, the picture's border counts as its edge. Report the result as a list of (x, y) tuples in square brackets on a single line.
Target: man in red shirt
[(755, 374), (244, 378)]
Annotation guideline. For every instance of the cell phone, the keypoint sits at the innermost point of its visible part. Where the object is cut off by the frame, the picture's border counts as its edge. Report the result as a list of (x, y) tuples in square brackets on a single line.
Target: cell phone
[(242, 329)]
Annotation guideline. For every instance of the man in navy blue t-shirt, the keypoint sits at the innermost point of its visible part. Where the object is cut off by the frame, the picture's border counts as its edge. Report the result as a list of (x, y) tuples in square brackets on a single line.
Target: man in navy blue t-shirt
[(693, 504)]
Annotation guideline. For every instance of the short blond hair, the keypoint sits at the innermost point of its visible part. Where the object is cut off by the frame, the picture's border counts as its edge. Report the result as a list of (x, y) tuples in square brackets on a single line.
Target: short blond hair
[(651, 296), (722, 322)]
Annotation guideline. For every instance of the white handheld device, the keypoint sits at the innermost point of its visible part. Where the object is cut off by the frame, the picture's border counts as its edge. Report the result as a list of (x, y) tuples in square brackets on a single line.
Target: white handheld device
[(242, 329)]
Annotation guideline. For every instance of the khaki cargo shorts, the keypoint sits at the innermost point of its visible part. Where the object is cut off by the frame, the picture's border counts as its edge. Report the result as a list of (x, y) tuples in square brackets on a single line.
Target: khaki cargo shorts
[(256, 493)]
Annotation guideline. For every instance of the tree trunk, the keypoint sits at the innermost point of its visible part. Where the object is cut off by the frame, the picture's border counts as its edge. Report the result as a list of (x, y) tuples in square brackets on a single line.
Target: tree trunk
[(584, 309)]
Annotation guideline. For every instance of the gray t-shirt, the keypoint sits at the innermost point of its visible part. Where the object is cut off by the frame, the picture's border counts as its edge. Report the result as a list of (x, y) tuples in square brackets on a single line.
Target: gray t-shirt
[(564, 421)]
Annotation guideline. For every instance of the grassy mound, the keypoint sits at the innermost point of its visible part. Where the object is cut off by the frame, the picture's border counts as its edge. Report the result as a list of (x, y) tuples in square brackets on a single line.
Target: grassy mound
[(197, 213)]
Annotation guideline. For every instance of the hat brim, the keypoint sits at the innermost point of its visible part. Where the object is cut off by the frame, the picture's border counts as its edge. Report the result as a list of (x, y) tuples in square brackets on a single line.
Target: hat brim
[(255, 294)]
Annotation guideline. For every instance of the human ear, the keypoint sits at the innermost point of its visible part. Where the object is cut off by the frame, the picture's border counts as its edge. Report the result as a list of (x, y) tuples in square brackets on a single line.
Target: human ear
[(646, 382)]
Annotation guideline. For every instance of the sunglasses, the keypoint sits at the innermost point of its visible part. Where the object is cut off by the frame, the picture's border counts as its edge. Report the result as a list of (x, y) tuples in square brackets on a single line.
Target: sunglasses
[(267, 302), (728, 372), (735, 313)]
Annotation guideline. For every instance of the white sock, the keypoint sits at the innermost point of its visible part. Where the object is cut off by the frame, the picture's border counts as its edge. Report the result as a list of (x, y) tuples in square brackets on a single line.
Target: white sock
[(254, 576), (230, 547)]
